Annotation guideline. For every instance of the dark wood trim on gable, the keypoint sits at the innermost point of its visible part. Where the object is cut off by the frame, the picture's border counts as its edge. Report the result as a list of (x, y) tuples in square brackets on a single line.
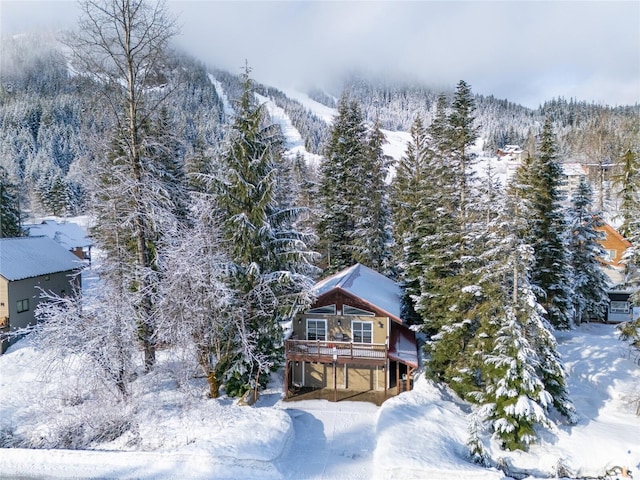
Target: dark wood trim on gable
[(340, 297)]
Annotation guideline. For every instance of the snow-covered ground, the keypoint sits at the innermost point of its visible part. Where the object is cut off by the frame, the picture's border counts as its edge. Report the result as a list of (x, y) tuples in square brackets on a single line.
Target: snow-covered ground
[(175, 432), (178, 433)]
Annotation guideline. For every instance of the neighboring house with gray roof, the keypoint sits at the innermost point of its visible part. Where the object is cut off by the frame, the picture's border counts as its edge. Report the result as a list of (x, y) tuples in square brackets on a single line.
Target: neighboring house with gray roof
[(29, 265), (68, 234)]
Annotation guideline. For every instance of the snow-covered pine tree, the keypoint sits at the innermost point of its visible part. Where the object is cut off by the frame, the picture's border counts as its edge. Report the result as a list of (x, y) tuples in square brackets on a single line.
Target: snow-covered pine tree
[(507, 361), (9, 208), (436, 232), (628, 186), (590, 297), (538, 328), (519, 398), (372, 237), (304, 187), (540, 180), (270, 262), (411, 183), (167, 150), (449, 289), (340, 192), (462, 133)]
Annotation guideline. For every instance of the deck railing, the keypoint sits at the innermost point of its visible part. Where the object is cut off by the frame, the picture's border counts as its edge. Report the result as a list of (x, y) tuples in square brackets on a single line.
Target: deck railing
[(323, 351)]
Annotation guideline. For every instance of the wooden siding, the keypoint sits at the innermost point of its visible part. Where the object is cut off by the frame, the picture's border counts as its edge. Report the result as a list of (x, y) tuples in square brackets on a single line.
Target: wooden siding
[(61, 283), (613, 242), (339, 327)]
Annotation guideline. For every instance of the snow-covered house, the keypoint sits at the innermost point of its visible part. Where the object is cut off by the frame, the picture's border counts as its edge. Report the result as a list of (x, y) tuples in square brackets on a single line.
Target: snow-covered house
[(510, 152), (352, 337), (29, 265), (68, 234), (573, 174), (615, 246)]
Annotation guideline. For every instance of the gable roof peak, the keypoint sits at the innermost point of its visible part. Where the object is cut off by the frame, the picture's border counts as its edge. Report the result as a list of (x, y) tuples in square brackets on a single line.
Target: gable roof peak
[(366, 284)]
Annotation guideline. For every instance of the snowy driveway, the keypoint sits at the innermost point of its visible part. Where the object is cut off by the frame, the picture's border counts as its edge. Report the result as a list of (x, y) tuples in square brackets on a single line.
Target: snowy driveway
[(332, 440)]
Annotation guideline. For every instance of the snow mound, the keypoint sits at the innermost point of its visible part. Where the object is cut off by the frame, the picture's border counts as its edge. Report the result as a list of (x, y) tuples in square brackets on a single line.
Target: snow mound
[(421, 434)]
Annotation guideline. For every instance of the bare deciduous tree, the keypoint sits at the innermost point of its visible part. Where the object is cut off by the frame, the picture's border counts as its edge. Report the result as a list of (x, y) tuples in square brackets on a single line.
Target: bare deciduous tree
[(121, 45)]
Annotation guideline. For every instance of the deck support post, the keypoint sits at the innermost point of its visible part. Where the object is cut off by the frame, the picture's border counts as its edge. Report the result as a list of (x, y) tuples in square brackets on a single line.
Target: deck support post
[(286, 379), (335, 382), (334, 353), (385, 371)]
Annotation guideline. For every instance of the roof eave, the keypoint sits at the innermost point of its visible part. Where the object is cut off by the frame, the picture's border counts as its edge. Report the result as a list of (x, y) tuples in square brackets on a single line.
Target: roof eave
[(366, 302)]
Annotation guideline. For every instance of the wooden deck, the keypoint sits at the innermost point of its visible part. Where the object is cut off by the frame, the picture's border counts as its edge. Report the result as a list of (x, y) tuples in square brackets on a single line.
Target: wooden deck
[(339, 352)]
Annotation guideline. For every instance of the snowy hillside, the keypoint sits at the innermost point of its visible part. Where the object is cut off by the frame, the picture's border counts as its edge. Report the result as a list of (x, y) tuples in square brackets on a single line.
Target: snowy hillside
[(397, 140), (174, 432)]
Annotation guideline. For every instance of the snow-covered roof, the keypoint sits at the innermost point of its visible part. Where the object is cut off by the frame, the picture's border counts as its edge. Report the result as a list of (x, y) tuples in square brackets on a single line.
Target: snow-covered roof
[(27, 257), (574, 169), (70, 235), (510, 149), (367, 284)]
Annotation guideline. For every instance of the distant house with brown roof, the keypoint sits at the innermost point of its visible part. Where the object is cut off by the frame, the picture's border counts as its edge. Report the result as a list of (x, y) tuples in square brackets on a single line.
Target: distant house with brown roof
[(615, 245), (352, 337)]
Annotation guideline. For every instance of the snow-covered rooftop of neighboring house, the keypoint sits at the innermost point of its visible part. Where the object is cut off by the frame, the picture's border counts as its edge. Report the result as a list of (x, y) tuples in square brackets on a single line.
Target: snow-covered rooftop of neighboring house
[(573, 169), (511, 149), (68, 234), (27, 257), (366, 284)]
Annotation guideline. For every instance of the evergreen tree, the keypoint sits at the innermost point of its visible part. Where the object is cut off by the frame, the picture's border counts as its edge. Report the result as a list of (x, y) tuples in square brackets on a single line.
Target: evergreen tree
[(372, 236), (461, 135), (341, 193), (523, 191), (449, 299), (305, 186), (9, 208), (590, 299), (167, 152), (540, 181), (55, 194), (628, 183), (438, 235), (408, 189), (513, 350), (270, 259)]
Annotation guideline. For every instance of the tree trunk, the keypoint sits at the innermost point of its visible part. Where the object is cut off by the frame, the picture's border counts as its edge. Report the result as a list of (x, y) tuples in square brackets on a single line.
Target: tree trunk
[(214, 386)]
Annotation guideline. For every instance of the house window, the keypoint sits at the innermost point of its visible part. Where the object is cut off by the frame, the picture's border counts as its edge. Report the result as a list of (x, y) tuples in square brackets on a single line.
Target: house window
[(362, 332), (316, 329), (326, 310), (611, 255), (348, 310), (619, 307), (23, 305)]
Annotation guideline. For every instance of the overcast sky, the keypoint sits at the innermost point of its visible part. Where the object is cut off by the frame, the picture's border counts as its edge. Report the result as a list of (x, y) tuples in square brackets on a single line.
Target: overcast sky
[(524, 51)]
